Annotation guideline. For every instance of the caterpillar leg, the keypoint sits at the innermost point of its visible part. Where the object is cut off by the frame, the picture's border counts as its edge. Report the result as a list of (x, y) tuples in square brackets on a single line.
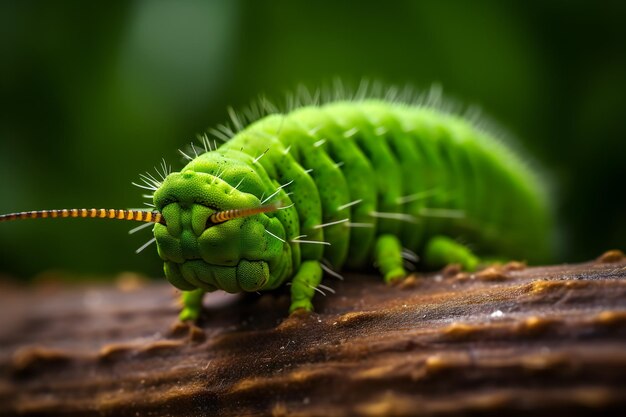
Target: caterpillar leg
[(441, 251), (303, 286), (192, 304), (388, 255)]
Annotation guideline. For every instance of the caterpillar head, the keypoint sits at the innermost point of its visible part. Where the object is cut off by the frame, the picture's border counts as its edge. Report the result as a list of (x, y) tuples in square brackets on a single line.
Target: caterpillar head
[(209, 234), (214, 236)]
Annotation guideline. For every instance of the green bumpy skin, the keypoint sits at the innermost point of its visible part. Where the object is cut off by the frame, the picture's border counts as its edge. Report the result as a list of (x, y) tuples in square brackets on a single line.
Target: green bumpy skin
[(367, 178)]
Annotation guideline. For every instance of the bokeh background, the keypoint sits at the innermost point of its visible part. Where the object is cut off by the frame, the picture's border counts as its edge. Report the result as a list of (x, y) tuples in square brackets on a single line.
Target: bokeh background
[(94, 93)]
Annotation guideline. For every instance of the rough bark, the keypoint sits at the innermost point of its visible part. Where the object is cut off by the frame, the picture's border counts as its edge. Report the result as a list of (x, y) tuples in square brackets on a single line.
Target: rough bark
[(503, 341)]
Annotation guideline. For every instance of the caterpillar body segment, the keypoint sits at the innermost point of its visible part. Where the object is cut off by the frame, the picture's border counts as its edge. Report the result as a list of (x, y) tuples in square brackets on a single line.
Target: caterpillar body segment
[(357, 182)]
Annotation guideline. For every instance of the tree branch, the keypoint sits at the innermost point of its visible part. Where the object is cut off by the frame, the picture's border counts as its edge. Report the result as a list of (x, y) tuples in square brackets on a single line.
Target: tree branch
[(504, 341)]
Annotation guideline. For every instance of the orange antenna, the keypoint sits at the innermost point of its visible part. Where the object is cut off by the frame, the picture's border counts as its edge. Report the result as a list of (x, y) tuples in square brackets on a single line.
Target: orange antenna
[(132, 215), (223, 216)]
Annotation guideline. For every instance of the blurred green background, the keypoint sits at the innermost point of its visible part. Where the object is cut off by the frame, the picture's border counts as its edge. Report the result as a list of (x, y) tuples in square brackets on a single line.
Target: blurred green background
[(95, 93)]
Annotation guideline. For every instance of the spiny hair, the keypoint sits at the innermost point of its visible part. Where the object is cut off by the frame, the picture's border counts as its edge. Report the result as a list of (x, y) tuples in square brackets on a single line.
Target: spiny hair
[(367, 90)]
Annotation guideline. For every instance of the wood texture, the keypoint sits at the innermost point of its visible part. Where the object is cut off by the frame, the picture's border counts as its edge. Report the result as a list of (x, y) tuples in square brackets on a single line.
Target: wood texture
[(504, 341)]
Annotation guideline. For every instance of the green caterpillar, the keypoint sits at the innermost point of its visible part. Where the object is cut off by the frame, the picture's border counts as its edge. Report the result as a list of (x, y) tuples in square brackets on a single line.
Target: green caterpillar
[(332, 186)]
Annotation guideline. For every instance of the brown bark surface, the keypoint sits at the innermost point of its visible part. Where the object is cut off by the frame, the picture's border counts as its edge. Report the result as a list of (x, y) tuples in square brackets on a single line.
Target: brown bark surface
[(503, 341)]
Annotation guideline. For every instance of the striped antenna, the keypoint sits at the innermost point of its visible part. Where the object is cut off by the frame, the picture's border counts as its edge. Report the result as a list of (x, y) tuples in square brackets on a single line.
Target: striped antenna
[(223, 216), (132, 215)]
